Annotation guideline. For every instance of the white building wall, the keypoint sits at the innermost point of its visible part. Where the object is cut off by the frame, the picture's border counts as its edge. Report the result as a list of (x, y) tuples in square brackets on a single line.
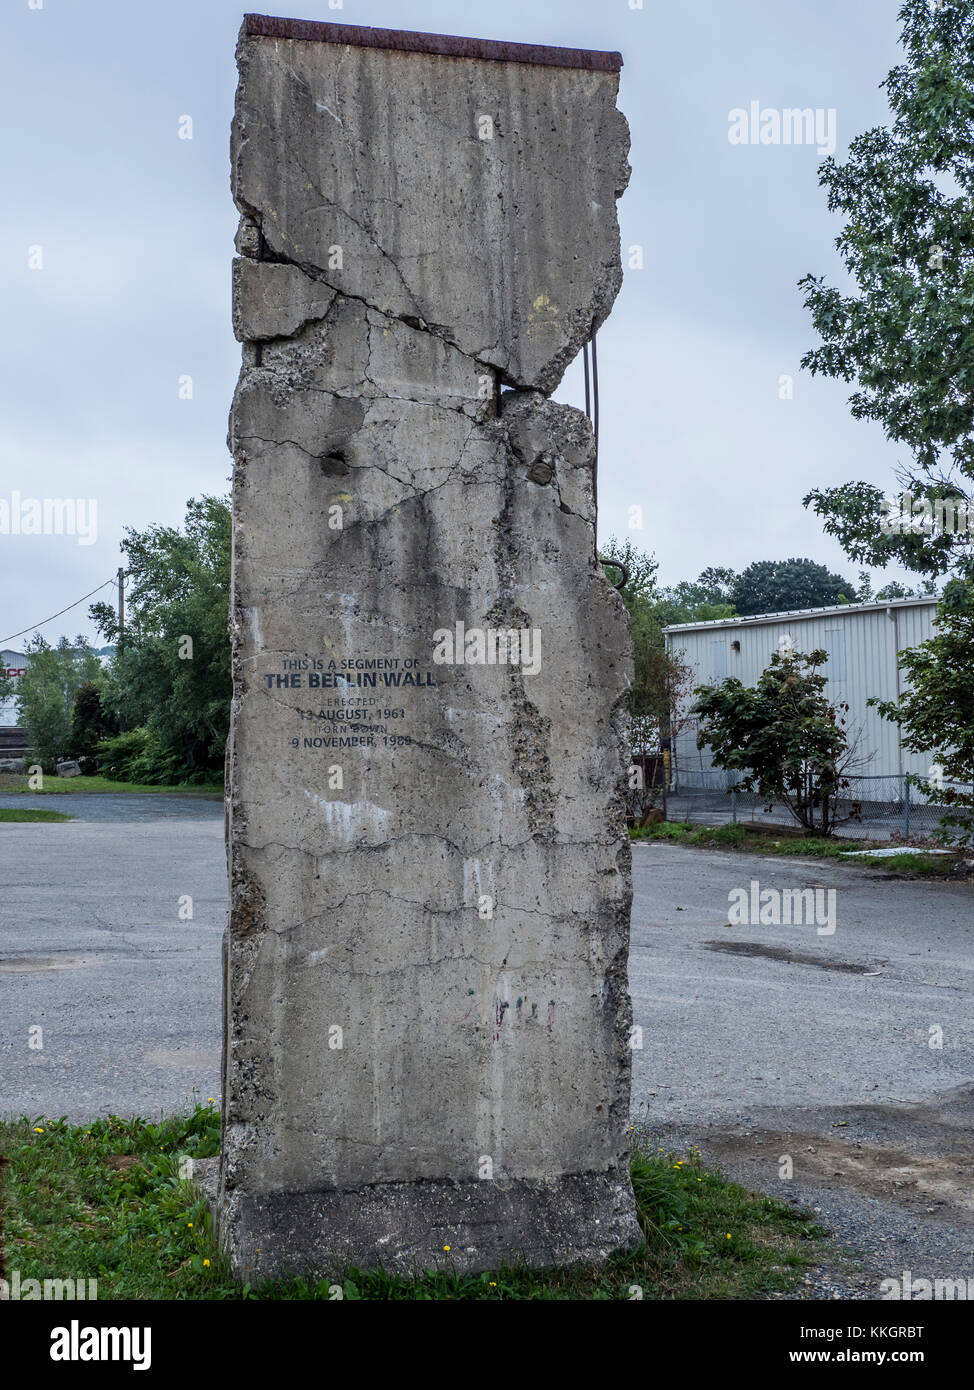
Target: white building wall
[(13, 663), (862, 641)]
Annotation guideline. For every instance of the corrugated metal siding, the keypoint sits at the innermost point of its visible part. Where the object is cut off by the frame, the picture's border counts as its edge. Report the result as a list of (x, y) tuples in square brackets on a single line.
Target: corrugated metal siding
[(871, 639)]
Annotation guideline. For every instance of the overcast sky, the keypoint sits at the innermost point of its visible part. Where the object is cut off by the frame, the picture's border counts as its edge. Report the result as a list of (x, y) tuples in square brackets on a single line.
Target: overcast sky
[(135, 228)]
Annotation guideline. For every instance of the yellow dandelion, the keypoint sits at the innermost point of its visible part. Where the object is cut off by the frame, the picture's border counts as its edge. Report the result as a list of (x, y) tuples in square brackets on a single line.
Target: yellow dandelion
[(38, 1131), (446, 1247), (206, 1264), (189, 1224)]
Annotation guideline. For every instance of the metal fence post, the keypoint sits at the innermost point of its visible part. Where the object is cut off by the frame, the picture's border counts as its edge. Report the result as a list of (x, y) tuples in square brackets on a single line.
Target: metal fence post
[(734, 804), (906, 807)]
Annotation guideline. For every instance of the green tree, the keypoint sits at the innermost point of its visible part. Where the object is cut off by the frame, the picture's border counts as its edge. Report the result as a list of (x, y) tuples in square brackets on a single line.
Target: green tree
[(658, 677), (713, 588), (638, 593), (661, 682), (927, 589), (906, 337), (171, 672), (641, 569), (90, 721), (936, 712), (46, 694), (864, 594), (775, 586), (782, 735)]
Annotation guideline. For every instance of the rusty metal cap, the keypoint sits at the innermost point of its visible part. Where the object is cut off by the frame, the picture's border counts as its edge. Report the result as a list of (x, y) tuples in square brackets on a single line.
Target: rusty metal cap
[(403, 41)]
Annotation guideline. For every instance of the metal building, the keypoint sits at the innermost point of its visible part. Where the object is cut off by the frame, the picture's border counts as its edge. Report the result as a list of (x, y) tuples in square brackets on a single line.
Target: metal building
[(863, 641), (13, 664)]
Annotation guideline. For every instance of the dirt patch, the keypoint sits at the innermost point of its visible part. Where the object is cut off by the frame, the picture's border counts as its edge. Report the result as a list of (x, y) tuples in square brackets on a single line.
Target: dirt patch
[(782, 953), (923, 1184), (23, 965), (122, 1162)]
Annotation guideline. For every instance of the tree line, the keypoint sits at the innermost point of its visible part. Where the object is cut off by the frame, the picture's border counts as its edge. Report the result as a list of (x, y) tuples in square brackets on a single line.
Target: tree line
[(158, 711)]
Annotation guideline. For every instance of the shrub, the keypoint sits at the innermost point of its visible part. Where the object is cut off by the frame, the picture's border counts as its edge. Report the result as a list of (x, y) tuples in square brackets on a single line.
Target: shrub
[(138, 755), (90, 722)]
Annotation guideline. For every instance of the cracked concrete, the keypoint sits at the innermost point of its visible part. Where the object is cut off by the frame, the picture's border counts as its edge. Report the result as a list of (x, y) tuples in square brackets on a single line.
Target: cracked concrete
[(421, 230), (426, 1006)]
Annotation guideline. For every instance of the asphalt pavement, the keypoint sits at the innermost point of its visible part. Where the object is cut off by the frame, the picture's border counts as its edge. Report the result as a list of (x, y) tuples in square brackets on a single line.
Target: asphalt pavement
[(832, 1068), (98, 949)]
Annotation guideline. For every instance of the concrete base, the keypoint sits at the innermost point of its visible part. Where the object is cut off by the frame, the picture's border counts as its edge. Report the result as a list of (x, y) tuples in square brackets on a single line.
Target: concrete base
[(464, 1227)]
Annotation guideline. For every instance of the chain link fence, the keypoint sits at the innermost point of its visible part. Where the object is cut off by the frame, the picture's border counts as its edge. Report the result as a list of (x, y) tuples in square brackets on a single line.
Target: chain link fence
[(869, 808)]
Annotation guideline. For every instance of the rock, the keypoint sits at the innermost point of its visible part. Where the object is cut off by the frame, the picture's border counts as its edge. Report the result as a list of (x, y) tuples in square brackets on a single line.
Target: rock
[(13, 764), (69, 768)]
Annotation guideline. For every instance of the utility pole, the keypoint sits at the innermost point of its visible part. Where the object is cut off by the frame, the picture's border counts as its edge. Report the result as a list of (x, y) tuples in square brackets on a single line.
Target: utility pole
[(121, 605)]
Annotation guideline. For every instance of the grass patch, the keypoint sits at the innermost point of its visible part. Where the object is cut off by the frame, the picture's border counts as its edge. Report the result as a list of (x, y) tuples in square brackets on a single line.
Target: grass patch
[(18, 782), (105, 1201), (740, 836), (8, 815), (912, 862)]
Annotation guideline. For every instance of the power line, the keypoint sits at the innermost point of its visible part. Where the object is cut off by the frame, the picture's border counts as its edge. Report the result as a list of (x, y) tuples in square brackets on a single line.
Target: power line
[(34, 626)]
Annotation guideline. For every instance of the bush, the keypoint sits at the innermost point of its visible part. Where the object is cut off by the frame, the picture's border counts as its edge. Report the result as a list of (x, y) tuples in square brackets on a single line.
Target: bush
[(90, 722), (138, 755)]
